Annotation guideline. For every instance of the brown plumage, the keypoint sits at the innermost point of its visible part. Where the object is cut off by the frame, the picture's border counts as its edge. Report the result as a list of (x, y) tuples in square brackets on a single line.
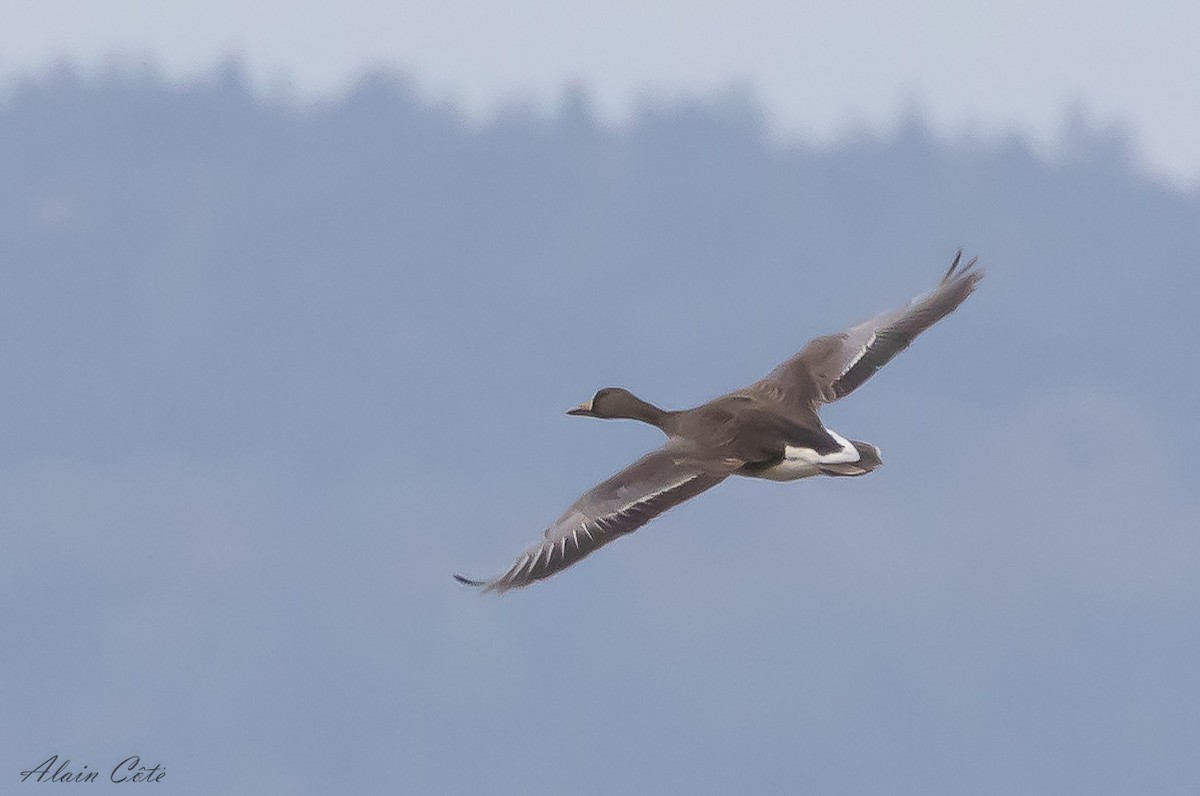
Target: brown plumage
[(769, 429)]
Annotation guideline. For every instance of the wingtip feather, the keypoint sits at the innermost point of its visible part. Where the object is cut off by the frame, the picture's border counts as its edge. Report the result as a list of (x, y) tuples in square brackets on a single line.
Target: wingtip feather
[(966, 272), (953, 266)]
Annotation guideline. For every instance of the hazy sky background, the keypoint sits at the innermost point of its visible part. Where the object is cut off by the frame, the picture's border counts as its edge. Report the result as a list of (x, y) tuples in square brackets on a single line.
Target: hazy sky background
[(818, 67), (272, 369)]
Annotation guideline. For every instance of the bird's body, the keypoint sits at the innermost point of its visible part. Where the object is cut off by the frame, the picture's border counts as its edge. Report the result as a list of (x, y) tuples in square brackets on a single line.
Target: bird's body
[(768, 430)]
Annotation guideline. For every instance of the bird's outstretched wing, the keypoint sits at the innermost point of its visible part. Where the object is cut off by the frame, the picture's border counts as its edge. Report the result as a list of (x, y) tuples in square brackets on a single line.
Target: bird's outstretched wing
[(833, 366), (625, 502)]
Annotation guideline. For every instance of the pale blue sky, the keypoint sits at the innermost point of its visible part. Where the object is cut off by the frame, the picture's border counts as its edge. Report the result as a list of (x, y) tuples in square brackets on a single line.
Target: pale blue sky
[(270, 372), (819, 67)]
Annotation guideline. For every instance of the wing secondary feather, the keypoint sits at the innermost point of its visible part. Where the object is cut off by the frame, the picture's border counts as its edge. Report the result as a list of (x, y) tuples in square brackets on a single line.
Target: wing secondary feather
[(618, 506), (831, 367)]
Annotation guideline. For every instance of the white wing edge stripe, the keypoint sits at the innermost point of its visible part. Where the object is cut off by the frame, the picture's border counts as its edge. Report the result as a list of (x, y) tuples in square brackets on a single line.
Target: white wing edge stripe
[(652, 495), (613, 516), (533, 564), (516, 570), (862, 352)]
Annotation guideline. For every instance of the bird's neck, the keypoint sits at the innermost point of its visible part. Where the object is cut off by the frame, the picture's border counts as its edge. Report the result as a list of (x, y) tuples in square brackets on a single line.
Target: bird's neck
[(646, 412)]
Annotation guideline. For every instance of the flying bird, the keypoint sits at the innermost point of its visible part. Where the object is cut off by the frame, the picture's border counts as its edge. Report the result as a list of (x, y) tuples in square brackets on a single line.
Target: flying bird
[(767, 430)]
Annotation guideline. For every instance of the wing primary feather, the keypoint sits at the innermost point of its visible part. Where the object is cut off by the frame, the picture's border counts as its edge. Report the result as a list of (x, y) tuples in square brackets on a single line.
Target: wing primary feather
[(954, 265), (615, 507), (862, 350)]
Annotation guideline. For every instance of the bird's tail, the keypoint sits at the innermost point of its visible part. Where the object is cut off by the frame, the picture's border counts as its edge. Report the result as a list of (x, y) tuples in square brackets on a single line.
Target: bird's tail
[(868, 460)]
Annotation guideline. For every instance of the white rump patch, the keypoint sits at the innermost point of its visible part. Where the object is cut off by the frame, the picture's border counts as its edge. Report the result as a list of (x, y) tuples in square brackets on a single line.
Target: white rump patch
[(846, 455), (801, 462)]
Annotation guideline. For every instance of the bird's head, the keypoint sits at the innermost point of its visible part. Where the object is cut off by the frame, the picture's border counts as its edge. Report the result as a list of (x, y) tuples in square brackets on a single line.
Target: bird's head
[(609, 402)]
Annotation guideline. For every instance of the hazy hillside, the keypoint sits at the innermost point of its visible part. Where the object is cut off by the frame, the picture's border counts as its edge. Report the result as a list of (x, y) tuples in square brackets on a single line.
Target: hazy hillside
[(166, 246), (270, 372)]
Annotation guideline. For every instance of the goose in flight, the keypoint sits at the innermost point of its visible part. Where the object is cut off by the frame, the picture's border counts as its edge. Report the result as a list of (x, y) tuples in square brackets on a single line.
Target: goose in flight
[(767, 430)]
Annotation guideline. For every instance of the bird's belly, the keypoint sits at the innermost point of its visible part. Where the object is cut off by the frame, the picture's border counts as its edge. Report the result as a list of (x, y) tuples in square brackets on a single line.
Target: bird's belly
[(787, 470), (796, 463)]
